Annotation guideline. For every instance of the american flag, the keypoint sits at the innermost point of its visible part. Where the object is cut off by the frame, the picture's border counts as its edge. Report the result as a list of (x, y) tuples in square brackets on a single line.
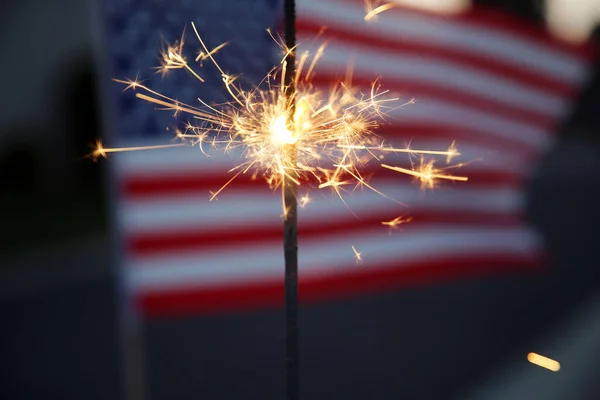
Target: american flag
[(492, 83)]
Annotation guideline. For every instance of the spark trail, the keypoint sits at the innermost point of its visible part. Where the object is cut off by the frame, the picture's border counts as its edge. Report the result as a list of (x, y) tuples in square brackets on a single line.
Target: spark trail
[(333, 131)]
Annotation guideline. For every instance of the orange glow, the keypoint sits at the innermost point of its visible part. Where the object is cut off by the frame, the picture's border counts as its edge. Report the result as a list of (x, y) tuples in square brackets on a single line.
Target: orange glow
[(543, 362), (393, 224), (427, 174)]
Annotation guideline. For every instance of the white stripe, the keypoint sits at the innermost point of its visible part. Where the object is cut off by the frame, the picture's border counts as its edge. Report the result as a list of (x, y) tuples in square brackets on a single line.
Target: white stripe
[(250, 208), (180, 159), (491, 42), (436, 111), (254, 263), (482, 157), (190, 159), (372, 63)]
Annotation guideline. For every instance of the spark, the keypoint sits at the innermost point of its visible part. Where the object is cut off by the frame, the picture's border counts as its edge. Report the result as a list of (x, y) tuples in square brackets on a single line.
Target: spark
[(131, 83), (450, 153), (357, 255), (543, 362), (202, 56), (305, 200), (172, 58), (393, 224), (374, 7), (101, 151), (333, 132), (427, 173)]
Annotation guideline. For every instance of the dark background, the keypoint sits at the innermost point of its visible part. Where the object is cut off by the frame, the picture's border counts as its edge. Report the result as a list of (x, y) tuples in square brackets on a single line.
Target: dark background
[(60, 335)]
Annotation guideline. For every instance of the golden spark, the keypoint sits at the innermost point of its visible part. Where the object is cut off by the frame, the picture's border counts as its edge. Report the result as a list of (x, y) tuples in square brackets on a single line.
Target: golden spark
[(101, 151), (375, 7), (357, 255), (393, 224), (333, 133), (304, 200), (543, 362), (427, 174)]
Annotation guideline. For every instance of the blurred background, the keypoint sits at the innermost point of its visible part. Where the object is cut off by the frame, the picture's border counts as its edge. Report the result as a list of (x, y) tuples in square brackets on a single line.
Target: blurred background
[(67, 331)]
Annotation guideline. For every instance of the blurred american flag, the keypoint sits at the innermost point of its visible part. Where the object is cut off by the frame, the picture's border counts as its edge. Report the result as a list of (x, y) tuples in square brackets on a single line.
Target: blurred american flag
[(490, 82)]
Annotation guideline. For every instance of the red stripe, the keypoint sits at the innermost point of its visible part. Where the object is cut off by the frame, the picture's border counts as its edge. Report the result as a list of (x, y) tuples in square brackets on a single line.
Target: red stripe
[(426, 90), (383, 278), (155, 185), (489, 18), (514, 24), (148, 244), (401, 45)]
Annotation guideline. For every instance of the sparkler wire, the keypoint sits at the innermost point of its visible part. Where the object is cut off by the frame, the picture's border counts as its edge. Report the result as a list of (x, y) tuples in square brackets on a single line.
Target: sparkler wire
[(290, 222)]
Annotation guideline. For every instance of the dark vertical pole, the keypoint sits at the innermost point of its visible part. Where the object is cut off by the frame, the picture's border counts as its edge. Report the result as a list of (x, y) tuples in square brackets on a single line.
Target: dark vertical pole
[(290, 224)]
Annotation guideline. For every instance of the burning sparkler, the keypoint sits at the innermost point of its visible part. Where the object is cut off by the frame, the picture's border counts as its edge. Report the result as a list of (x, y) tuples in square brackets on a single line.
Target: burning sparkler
[(333, 133), (290, 133)]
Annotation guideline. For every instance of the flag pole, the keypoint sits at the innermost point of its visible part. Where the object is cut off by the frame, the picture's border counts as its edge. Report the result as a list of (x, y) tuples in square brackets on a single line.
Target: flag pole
[(290, 224)]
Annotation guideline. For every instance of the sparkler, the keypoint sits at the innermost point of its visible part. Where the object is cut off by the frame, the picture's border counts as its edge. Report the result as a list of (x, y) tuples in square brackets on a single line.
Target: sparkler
[(290, 133), (333, 132), (290, 201)]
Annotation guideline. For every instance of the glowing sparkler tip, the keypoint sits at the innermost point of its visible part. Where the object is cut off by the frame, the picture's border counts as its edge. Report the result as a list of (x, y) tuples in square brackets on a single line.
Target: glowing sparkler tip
[(280, 132)]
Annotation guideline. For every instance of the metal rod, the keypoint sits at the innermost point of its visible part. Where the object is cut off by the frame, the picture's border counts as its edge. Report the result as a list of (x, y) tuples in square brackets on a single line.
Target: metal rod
[(290, 224)]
